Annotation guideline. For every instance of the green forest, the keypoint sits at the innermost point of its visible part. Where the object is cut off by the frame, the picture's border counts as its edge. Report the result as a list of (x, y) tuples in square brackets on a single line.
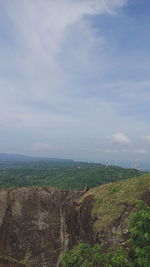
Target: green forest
[(67, 175)]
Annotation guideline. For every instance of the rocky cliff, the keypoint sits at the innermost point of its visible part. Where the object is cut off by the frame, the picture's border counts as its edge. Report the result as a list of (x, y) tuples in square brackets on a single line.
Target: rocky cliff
[(32, 224), (37, 224)]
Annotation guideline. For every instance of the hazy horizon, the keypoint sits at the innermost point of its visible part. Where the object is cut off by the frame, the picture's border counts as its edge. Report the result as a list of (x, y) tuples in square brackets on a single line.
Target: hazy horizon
[(74, 79)]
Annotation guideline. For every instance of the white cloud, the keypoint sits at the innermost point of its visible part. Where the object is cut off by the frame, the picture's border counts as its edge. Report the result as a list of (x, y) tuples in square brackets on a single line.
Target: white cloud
[(125, 151), (107, 151), (119, 138), (146, 138), (40, 29), (141, 151), (42, 24), (46, 147), (54, 61), (40, 146)]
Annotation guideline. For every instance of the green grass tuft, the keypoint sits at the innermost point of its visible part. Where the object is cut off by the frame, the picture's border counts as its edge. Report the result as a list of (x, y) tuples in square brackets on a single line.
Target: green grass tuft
[(110, 198)]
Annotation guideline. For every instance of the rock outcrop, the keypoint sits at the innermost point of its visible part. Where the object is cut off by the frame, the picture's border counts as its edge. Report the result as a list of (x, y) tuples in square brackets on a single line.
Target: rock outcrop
[(32, 224), (37, 224)]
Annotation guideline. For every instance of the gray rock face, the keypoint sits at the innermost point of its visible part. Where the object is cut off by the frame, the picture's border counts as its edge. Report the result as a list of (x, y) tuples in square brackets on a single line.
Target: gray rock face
[(34, 223), (37, 224)]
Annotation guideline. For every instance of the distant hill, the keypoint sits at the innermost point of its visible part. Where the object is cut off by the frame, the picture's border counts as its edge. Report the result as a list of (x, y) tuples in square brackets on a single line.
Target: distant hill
[(7, 159), (61, 174), (10, 159), (13, 157)]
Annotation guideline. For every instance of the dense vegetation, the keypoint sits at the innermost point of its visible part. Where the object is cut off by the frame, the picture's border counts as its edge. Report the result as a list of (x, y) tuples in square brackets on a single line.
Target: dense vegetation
[(111, 199), (60, 174), (137, 254)]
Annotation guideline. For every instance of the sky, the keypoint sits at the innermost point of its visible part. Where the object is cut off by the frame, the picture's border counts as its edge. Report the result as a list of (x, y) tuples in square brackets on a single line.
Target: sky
[(74, 79)]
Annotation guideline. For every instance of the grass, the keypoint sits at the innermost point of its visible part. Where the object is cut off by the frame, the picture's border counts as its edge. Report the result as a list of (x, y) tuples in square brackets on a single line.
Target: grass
[(110, 198), (25, 260)]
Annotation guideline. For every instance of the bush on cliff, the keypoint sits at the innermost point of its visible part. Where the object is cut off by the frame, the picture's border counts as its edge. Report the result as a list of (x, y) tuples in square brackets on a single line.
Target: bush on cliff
[(139, 227), (85, 255)]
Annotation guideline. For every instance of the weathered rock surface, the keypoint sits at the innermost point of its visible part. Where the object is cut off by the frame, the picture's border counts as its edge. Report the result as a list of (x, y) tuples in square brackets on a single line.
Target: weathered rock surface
[(32, 224), (11, 265), (39, 223), (9, 262)]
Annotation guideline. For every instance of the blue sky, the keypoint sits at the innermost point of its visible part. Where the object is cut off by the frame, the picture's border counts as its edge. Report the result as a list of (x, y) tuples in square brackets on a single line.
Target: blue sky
[(74, 78)]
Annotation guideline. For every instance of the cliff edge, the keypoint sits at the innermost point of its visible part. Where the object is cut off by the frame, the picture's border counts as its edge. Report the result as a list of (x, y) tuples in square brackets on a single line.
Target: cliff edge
[(37, 224)]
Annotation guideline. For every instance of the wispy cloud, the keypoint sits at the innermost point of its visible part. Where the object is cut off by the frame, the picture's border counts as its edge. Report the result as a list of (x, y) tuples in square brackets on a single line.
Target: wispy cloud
[(45, 147), (119, 138), (146, 138), (65, 81), (40, 30)]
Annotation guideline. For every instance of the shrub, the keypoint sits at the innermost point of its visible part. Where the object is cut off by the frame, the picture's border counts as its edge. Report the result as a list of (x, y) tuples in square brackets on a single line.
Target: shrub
[(85, 255)]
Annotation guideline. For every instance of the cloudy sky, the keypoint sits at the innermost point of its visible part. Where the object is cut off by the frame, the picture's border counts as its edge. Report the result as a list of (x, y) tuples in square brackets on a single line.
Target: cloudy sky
[(75, 78)]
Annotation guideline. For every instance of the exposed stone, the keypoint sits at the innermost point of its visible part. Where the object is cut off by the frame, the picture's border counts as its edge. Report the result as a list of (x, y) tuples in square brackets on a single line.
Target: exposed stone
[(40, 223)]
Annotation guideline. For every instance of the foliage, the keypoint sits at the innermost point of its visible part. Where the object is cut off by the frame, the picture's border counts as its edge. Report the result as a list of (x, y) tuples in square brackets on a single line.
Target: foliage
[(26, 258), (118, 258), (85, 255), (67, 175), (139, 227)]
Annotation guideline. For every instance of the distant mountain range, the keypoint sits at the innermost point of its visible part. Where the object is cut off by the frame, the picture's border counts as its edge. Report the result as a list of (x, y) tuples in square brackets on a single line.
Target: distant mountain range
[(8, 159), (5, 156), (17, 158)]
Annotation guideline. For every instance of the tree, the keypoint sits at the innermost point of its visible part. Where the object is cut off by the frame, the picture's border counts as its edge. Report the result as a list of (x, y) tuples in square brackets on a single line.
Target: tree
[(139, 227), (85, 255)]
